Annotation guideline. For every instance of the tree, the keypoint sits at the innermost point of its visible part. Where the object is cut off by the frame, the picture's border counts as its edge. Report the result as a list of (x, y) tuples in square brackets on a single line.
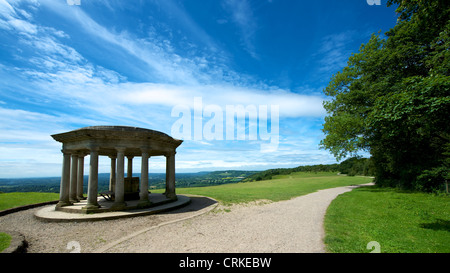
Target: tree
[(392, 99), (356, 166)]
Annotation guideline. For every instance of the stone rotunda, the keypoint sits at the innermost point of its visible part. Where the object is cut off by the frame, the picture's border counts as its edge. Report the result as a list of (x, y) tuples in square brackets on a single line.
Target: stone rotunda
[(118, 143)]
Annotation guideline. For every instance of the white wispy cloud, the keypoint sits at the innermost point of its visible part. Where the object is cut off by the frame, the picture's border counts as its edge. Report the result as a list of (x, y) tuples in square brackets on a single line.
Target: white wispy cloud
[(176, 10), (157, 53), (291, 104), (334, 51), (26, 146), (12, 20), (67, 75), (242, 15), (89, 94)]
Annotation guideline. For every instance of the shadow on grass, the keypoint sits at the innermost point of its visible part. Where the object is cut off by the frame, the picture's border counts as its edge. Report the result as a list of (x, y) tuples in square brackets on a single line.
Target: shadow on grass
[(439, 224), (374, 188), (378, 188)]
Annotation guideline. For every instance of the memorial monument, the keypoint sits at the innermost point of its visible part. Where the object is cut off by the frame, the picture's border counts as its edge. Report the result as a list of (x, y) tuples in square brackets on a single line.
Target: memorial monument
[(118, 143)]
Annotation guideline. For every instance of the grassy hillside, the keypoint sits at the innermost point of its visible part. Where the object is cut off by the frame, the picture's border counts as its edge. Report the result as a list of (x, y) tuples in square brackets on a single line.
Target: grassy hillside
[(398, 221), (351, 166), (280, 187), (17, 199)]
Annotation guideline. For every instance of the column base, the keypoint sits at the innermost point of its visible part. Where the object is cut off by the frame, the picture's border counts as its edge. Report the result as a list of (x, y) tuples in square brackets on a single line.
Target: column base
[(74, 200), (63, 204), (144, 203), (118, 205), (171, 196), (92, 207)]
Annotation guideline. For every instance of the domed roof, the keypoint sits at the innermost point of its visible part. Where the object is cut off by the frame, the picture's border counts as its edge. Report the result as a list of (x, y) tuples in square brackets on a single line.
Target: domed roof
[(108, 137)]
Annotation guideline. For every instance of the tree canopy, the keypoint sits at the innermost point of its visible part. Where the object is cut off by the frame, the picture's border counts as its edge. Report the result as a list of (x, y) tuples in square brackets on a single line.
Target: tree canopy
[(393, 100)]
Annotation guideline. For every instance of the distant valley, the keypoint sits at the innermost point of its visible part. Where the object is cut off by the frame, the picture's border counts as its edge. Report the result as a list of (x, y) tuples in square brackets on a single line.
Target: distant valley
[(351, 166), (156, 181)]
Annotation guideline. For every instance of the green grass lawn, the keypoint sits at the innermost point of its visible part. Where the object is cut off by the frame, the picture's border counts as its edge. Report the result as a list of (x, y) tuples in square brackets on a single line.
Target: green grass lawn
[(5, 240), (281, 187), (17, 199), (398, 221), (401, 222)]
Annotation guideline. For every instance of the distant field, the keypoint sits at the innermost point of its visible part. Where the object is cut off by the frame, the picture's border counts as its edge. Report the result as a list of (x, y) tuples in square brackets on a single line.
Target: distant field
[(282, 187), (16, 199)]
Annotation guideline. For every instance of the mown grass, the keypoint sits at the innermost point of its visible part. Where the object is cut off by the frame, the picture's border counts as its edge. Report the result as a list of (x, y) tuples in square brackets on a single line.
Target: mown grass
[(17, 199), (401, 222), (5, 240), (405, 222), (279, 188)]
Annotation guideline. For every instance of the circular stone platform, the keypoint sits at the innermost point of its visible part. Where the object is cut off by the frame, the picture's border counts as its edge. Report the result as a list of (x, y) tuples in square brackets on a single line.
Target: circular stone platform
[(159, 204)]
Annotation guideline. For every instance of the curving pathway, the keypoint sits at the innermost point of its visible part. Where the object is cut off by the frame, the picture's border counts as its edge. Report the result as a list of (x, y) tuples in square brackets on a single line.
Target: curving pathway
[(294, 225)]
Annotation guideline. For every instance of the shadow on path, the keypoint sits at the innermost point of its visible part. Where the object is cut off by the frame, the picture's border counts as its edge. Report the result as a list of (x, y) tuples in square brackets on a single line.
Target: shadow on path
[(197, 203)]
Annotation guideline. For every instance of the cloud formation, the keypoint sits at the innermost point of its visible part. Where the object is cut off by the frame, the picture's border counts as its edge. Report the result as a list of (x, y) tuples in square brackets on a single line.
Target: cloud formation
[(242, 15), (65, 67)]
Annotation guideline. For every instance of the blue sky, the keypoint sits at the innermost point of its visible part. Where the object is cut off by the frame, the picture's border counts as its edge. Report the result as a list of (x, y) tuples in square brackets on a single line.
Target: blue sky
[(117, 62)]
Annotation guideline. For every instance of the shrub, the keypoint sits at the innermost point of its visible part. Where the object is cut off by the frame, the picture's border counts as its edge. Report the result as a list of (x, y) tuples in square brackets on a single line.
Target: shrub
[(432, 180)]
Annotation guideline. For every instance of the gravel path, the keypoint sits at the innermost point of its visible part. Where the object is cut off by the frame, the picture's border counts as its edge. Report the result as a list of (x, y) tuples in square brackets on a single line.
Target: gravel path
[(294, 225)]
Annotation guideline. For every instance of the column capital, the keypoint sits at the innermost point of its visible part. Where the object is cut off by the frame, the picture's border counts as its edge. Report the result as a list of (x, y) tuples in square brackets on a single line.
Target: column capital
[(171, 153), (120, 149), (145, 149), (94, 148)]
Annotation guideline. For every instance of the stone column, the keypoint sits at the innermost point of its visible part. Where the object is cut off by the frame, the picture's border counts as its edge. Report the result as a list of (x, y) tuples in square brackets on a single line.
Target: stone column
[(170, 176), (143, 195), (167, 176), (80, 178), (92, 203), (112, 177), (130, 167), (65, 181), (119, 195), (73, 179)]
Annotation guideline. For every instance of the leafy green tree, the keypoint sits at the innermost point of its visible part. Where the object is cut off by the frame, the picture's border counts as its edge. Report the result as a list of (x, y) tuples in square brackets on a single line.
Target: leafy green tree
[(357, 166), (392, 99)]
